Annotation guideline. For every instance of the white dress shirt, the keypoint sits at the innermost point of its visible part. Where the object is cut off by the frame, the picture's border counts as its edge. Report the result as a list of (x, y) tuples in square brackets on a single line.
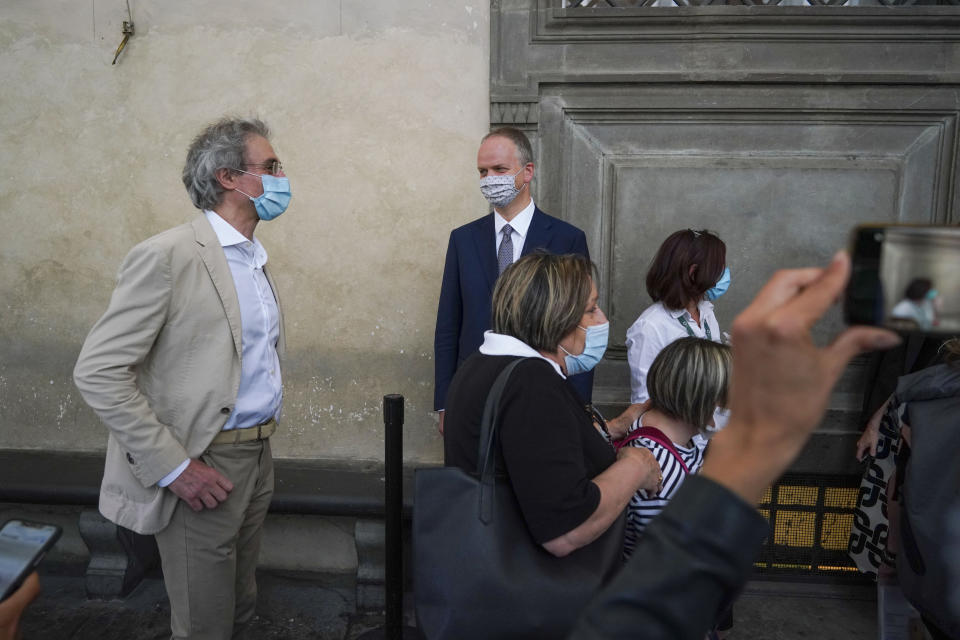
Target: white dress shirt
[(498, 344), (657, 327), (520, 225), (260, 394)]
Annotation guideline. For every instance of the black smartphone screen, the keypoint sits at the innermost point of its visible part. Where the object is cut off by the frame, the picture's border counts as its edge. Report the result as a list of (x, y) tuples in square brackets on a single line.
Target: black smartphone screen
[(22, 545)]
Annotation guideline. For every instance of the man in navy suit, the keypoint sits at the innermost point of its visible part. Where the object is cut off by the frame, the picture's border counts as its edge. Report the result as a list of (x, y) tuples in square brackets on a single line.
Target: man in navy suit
[(478, 252)]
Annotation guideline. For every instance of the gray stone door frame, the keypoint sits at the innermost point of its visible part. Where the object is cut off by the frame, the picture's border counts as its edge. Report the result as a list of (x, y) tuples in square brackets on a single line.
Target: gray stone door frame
[(780, 127)]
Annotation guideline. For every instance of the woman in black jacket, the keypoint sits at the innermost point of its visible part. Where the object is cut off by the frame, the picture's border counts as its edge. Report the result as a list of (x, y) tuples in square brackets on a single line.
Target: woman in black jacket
[(569, 482)]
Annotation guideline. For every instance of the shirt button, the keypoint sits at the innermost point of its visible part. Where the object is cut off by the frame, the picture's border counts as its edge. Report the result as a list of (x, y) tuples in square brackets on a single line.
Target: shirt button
[(225, 410)]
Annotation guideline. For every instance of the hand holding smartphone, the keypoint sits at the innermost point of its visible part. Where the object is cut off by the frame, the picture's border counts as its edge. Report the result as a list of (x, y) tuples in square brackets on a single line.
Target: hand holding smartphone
[(22, 545)]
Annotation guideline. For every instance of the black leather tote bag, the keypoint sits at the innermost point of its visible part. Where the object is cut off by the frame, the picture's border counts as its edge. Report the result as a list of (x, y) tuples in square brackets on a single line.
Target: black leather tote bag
[(478, 573)]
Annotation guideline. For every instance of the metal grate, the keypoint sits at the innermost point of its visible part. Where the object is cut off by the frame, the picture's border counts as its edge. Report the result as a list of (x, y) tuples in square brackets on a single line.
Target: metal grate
[(810, 518)]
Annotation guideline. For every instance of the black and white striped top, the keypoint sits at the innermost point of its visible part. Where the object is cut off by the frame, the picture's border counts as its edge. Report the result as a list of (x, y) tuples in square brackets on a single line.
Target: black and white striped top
[(644, 507)]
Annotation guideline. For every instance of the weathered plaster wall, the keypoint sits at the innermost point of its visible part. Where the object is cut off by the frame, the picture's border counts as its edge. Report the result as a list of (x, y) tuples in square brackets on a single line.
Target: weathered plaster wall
[(377, 108)]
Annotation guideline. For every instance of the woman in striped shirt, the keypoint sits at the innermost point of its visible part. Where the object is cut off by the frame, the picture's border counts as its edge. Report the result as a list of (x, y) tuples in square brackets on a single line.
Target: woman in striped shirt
[(687, 381)]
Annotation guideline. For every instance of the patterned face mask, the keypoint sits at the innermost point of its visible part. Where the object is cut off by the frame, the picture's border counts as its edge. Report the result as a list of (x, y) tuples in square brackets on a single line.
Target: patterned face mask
[(500, 190)]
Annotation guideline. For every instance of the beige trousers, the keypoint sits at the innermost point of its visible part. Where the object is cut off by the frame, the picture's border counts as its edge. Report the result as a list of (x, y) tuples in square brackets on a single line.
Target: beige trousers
[(209, 557)]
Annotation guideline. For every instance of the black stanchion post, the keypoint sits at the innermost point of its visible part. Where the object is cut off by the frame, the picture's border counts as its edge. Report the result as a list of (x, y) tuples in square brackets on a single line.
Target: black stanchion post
[(393, 511), (393, 524)]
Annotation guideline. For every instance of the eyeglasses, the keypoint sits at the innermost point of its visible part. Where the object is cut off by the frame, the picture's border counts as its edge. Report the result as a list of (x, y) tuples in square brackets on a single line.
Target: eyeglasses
[(274, 167)]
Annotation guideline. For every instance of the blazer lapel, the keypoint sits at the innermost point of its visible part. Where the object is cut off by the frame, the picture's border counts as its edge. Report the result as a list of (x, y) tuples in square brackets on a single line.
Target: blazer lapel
[(539, 233), (216, 263), (486, 245)]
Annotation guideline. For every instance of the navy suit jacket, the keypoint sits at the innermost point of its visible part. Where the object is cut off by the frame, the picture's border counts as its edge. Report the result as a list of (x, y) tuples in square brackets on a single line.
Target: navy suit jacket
[(469, 274)]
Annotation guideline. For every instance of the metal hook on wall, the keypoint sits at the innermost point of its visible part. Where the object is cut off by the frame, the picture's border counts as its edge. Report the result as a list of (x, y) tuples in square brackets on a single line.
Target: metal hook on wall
[(127, 32)]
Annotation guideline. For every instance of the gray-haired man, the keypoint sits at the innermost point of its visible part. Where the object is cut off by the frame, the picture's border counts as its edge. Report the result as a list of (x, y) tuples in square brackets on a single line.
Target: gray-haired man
[(184, 370)]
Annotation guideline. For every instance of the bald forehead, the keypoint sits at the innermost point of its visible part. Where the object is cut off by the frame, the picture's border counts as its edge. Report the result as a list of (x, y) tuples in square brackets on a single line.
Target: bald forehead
[(498, 154), (501, 143)]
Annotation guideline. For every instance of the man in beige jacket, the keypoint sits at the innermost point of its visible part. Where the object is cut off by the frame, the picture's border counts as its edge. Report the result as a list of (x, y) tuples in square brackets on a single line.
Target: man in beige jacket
[(184, 370)]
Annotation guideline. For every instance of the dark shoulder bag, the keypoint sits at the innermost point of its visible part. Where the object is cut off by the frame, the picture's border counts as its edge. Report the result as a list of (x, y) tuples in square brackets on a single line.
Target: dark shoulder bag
[(478, 572)]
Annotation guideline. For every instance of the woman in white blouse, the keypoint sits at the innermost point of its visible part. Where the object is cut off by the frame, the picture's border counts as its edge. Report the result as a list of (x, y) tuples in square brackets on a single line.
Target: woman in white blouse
[(917, 306), (687, 274)]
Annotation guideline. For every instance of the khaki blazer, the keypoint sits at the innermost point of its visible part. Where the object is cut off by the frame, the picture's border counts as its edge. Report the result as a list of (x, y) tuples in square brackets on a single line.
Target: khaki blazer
[(162, 367)]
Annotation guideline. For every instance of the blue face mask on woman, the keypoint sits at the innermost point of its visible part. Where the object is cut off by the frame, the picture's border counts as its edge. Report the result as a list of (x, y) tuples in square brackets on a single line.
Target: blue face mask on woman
[(275, 197), (721, 287), (594, 348)]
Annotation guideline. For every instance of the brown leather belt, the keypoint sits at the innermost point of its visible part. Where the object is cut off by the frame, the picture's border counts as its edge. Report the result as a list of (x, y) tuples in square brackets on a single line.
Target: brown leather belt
[(247, 434)]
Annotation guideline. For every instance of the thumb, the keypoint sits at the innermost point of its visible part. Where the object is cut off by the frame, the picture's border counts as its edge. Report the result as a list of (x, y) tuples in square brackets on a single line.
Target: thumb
[(27, 592), (855, 341)]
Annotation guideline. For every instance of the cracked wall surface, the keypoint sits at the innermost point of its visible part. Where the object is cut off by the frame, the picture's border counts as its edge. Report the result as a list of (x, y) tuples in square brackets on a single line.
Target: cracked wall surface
[(377, 109)]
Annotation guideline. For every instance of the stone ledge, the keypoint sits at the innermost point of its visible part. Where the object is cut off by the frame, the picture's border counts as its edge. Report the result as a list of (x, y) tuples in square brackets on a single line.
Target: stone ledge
[(307, 493), (313, 487)]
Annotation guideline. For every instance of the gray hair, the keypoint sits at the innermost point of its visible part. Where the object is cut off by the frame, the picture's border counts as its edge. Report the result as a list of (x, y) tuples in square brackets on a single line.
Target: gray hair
[(688, 380), (221, 145)]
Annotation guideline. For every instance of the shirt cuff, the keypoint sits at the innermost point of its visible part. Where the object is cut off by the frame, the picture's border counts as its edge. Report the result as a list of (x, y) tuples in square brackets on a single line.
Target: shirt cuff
[(173, 475)]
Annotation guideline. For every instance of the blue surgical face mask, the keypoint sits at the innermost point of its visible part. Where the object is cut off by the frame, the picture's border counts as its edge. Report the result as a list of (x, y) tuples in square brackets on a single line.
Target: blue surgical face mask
[(933, 293), (275, 197), (594, 348), (721, 287)]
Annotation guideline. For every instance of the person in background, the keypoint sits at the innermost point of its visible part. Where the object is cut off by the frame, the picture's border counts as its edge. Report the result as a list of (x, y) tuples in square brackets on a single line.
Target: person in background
[(479, 251), (902, 470), (697, 555), (687, 381), (183, 368), (686, 275), (917, 305), (570, 484), (569, 481)]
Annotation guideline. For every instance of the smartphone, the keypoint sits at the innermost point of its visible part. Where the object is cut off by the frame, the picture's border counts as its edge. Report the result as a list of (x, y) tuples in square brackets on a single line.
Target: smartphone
[(22, 545), (905, 278)]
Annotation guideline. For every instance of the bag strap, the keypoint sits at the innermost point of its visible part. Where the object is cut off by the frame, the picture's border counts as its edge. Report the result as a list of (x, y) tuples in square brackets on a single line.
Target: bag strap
[(486, 460), (657, 436)]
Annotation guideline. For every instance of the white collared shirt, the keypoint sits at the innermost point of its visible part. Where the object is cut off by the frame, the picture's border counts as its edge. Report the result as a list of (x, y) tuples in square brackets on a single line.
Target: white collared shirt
[(260, 394), (520, 225), (657, 327), (498, 344), (922, 313)]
